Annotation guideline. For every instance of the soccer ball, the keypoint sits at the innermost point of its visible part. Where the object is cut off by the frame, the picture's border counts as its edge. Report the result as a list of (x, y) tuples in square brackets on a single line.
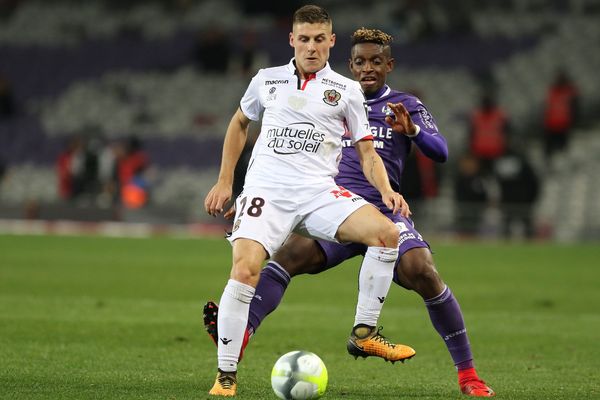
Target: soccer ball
[(299, 375)]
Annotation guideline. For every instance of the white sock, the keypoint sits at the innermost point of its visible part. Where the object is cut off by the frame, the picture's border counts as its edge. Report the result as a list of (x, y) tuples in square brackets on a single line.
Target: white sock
[(232, 321), (374, 280)]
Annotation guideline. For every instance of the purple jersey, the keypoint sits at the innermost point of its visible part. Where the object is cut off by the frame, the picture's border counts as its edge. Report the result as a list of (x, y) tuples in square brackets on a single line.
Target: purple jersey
[(393, 147)]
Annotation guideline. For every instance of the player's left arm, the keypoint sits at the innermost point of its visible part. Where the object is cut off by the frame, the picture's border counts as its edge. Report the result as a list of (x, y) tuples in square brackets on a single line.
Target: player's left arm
[(375, 172), (424, 134)]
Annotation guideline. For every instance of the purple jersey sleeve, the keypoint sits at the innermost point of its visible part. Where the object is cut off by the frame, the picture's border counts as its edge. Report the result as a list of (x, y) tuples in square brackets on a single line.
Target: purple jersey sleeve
[(393, 147), (429, 140)]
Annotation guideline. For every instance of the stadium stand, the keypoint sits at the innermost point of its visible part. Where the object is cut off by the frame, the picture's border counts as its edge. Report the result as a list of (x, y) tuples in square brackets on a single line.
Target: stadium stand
[(570, 203), (113, 72)]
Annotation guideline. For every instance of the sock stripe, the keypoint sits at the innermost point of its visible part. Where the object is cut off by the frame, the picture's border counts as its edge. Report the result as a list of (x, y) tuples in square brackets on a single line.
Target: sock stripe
[(440, 298), (382, 254), (278, 270), (239, 291)]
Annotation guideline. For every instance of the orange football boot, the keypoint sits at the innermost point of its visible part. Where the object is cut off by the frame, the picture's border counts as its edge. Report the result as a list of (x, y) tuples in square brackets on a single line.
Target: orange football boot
[(225, 384), (366, 341)]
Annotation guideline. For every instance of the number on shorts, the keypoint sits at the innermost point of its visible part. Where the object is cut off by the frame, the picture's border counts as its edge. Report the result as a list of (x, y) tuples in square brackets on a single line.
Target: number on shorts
[(256, 205)]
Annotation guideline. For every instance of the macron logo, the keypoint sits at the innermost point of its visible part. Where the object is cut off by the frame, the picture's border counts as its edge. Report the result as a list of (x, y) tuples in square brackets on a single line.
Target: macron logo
[(277, 82), (226, 341), (381, 299)]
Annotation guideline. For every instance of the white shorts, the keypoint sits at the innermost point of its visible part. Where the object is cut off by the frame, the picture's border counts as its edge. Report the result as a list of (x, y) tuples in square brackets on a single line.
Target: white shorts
[(268, 216)]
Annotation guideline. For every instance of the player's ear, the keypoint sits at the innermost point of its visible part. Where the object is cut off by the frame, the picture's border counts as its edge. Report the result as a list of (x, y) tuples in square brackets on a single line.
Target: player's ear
[(390, 64), (291, 39), (350, 64), (332, 43)]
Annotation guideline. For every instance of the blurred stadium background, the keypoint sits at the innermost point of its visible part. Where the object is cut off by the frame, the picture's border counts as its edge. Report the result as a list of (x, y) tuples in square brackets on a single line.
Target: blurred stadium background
[(112, 117), (115, 111)]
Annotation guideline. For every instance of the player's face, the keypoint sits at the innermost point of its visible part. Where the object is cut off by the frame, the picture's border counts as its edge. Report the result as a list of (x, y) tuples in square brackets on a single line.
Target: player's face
[(370, 63), (311, 43)]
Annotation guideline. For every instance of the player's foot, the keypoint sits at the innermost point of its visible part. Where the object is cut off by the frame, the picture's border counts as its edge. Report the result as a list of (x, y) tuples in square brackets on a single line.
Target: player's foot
[(366, 341), (211, 314), (225, 384), (471, 385)]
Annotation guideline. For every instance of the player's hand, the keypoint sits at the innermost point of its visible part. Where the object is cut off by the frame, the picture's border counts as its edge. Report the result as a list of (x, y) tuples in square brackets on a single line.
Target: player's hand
[(395, 202), (401, 122), (229, 214), (216, 199)]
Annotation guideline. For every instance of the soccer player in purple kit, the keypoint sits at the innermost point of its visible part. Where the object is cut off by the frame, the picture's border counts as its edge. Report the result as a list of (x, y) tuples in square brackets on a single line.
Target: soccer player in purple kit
[(397, 120)]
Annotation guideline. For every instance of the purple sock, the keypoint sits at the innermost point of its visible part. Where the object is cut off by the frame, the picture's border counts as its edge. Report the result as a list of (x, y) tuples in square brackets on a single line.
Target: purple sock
[(447, 319), (273, 282)]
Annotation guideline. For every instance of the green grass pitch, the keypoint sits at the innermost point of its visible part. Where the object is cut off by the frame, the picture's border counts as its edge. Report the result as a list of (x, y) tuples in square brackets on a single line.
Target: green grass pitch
[(108, 318)]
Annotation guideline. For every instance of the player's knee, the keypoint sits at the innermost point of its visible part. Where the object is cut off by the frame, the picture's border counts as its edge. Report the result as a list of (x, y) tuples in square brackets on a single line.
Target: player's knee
[(422, 276), (419, 270), (426, 274), (246, 272), (290, 261), (389, 235), (299, 256)]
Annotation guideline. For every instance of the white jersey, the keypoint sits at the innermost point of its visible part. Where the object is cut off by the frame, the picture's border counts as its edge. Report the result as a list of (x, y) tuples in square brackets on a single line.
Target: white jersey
[(303, 123)]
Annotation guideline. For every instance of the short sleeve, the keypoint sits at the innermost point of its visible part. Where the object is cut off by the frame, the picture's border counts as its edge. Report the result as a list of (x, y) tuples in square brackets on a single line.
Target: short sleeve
[(357, 119), (250, 103)]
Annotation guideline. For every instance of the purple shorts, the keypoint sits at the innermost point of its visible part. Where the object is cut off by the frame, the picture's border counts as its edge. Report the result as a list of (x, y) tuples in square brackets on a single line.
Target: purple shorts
[(336, 253)]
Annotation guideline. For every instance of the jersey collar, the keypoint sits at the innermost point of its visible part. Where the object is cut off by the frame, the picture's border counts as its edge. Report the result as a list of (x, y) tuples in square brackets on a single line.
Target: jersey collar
[(319, 74), (384, 91)]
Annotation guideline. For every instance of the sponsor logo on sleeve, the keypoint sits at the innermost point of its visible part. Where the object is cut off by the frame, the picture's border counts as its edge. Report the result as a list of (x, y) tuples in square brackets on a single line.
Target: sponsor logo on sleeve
[(426, 117)]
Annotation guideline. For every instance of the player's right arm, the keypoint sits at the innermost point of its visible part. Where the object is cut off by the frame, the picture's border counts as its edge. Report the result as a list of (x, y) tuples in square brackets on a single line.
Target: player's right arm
[(424, 133), (235, 139)]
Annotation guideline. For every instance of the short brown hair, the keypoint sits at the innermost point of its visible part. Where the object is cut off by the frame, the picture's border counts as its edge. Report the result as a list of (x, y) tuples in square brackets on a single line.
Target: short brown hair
[(365, 35), (311, 14)]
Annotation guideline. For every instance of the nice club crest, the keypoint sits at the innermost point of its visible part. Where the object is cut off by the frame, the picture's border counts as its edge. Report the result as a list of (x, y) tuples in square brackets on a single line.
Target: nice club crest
[(331, 97)]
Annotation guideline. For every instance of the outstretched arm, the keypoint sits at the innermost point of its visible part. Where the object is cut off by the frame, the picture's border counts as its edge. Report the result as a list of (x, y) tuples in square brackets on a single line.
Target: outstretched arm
[(235, 138), (375, 172), (433, 145)]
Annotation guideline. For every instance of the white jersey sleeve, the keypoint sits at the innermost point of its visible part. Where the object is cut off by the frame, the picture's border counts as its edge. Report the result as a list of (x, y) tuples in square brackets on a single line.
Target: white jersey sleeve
[(357, 119), (251, 104)]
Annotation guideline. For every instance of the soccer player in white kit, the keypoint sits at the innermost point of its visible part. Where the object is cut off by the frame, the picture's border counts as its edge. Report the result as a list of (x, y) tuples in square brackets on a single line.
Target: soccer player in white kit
[(289, 187)]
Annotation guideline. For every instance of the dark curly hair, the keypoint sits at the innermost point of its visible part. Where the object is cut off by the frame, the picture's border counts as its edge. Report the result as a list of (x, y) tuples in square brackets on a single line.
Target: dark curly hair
[(365, 35)]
